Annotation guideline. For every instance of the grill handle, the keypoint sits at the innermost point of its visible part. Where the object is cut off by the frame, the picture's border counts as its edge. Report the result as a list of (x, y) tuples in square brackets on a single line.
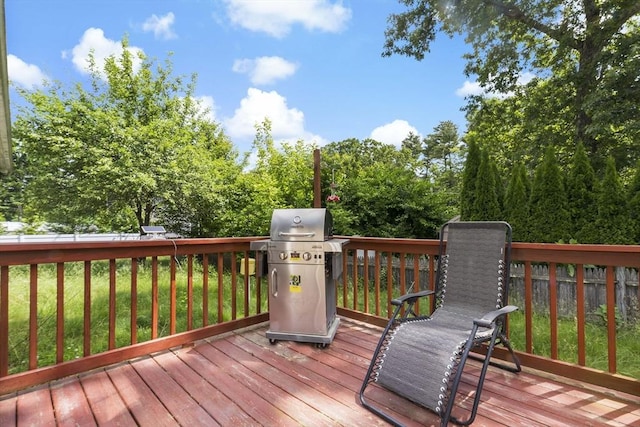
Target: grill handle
[(274, 282), (283, 234)]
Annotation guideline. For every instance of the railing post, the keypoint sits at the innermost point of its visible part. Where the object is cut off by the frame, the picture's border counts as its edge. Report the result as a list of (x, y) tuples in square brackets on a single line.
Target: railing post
[(60, 313), (611, 319), (317, 190), (4, 321), (33, 316)]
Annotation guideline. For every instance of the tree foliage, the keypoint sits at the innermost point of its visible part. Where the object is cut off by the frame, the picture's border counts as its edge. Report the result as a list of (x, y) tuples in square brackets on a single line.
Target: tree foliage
[(582, 195), (440, 158), (380, 193), (583, 48), (442, 149), (469, 178), (135, 148), (282, 177), (288, 168), (519, 127), (613, 214), (549, 216), (516, 203), (12, 189), (633, 197), (486, 205)]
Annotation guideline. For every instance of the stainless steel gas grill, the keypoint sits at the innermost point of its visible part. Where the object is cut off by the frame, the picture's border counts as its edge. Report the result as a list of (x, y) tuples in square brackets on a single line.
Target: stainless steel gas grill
[(303, 262)]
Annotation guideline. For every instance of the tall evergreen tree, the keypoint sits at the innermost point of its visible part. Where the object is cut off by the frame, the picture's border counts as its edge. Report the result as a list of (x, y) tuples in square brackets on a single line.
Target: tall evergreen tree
[(412, 145), (486, 206), (549, 216), (634, 206), (613, 213), (516, 205), (499, 185), (469, 177), (582, 197)]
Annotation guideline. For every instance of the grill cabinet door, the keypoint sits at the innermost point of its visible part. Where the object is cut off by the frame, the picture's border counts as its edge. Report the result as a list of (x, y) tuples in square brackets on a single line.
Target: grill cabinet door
[(297, 298)]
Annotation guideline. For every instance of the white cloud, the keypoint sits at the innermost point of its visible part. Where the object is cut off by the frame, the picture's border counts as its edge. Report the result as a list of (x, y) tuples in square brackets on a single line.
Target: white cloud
[(208, 106), (473, 88), (160, 26), (469, 88), (93, 40), (265, 69), (276, 17), (286, 123), (525, 78), (27, 75), (393, 133)]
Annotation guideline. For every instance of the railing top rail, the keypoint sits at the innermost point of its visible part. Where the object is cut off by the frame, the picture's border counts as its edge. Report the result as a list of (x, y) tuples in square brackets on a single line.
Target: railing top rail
[(43, 252), (627, 255), (419, 246), (38, 253)]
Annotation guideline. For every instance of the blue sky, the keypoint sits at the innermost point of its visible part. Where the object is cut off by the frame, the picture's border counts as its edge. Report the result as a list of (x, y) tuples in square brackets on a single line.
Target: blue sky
[(314, 67)]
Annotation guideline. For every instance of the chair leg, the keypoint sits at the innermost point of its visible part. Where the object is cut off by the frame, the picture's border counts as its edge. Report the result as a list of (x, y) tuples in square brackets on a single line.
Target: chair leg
[(507, 367), (454, 387), (377, 411), (517, 368)]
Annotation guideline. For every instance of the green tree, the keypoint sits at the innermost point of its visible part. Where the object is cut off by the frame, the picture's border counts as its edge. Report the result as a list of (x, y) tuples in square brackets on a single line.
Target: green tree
[(288, 169), (500, 185), (12, 190), (380, 193), (549, 216), (443, 155), (634, 206), (390, 202), (517, 128), (582, 195), (135, 148), (613, 213), (516, 205), (442, 147), (282, 177), (412, 145), (581, 44), (469, 178), (486, 205)]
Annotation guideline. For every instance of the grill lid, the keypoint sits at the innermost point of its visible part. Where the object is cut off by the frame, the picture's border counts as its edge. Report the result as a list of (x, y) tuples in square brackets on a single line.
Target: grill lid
[(301, 225)]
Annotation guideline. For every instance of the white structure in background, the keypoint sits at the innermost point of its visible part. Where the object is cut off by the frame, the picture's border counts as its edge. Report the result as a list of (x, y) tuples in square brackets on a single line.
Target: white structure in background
[(14, 228)]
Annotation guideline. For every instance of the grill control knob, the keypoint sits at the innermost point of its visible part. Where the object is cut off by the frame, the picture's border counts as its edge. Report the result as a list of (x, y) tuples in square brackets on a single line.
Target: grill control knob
[(306, 256), (283, 255)]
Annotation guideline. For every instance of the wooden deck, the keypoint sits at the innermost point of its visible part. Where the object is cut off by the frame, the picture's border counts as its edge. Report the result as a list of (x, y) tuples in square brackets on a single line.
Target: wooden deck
[(240, 379)]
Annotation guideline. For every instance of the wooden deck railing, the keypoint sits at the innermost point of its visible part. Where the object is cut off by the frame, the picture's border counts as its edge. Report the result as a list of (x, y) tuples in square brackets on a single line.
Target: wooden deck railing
[(139, 297), (162, 302)]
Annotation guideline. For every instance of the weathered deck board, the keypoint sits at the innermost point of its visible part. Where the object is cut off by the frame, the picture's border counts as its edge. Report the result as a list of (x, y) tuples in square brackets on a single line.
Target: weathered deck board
[(71, 409), (242, 380)]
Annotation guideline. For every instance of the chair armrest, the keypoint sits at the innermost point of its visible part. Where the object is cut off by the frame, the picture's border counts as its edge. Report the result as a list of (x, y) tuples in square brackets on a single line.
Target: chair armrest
[(488, 319), (411, 297)]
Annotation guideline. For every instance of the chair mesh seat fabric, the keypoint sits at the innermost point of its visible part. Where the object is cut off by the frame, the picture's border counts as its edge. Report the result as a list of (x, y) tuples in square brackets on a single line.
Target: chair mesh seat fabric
[(422, 356)]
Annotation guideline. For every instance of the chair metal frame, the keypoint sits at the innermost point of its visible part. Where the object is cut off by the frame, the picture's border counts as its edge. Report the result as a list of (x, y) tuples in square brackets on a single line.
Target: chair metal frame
[(494, 320)]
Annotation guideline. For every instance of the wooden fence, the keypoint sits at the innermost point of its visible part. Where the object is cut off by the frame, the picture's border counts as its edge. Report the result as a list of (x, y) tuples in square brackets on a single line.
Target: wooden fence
[(627, 301)]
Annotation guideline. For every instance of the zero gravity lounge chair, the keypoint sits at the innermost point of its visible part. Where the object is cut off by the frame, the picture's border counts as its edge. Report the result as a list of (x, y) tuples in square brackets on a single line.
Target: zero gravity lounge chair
[(422, 357)]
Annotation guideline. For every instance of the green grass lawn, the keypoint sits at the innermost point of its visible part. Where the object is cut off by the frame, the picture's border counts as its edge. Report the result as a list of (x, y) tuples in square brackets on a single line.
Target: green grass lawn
[(627, 350), (19, 299)]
